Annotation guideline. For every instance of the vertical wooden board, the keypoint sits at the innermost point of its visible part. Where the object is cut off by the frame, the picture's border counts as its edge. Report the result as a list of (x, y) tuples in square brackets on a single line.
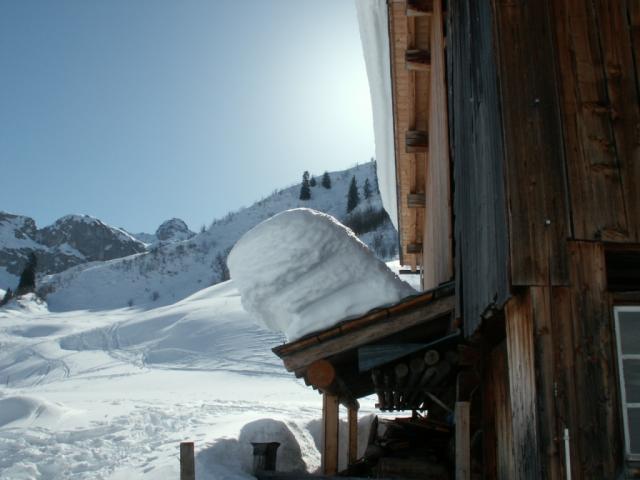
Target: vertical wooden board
[(353, 435), (330, 444), (463, 441), (504, 418), (617, 49), (481, 241), (496, 416), (598, 431), (522, 385), (438, 255), (533, 145), (546, 383), (595, 188), (568, 402)]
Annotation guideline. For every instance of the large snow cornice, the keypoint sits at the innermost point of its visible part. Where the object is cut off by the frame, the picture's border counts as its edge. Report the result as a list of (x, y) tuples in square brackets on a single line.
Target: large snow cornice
[(374, 34), (302, 271)]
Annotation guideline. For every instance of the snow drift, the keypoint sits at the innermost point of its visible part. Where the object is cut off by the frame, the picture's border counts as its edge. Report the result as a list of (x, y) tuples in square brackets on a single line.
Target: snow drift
[(303, 271)]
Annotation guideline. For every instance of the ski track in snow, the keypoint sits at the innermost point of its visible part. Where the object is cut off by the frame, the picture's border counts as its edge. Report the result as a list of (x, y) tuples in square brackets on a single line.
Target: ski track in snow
[(111, 394)]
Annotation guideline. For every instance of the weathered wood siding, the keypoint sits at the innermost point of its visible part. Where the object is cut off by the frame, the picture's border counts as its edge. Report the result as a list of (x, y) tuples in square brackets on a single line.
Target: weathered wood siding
[(575, 373), (478, 162), (438, 255), (538, 213), (496, 403), (544, 118), (522, 387)]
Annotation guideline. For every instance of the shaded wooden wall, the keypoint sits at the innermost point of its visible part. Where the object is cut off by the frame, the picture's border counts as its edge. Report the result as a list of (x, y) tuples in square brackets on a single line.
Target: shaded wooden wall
[(480, 210), (545, 137)]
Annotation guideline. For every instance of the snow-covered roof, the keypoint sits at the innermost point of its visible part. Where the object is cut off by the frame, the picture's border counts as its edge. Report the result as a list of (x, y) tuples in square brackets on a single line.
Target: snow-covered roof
[(302, 271), (374, 34)]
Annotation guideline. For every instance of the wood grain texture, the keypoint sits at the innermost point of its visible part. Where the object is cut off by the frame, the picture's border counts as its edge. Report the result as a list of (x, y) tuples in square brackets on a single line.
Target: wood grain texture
[(538, 213), (481, 241), (438, 253), (522, 385), (331, 434), (598, 421), (595, 186)]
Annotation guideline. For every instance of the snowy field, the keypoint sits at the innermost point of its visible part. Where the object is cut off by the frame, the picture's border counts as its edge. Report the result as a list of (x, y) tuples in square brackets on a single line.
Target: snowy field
[(111, 394)]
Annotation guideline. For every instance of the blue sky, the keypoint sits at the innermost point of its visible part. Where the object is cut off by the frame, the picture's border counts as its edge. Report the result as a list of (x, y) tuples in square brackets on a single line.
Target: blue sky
[(135, 111)]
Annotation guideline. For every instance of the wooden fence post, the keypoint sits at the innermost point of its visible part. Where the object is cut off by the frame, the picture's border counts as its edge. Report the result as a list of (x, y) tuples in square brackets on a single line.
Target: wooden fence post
[(187, 461)]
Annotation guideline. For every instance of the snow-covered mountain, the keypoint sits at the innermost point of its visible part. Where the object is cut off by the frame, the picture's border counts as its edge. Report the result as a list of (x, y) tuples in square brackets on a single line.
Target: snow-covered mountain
[(169, 272), (172, 230), (70, 241)]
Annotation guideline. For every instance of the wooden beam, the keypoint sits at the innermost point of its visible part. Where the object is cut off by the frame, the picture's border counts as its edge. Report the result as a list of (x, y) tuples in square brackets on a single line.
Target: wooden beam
[(330, 422), (370, 332), (463, 443), (414, 248), (418, 60), (416, 200), (419, 8), (322, 375), (353, 435), (416, 141)]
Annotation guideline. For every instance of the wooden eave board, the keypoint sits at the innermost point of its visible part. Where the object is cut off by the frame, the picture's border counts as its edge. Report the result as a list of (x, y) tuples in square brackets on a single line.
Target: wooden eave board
[(369, 328), (410, 92)]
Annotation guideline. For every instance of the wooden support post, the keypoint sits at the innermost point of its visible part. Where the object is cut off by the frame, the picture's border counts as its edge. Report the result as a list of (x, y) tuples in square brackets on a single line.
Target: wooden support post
[(187, 461), (330, 420), (353, 435), (463, 443)]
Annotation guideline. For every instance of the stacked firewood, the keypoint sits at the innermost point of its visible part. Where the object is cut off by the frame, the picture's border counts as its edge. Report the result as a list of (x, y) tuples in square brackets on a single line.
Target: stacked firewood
[(415, 383)]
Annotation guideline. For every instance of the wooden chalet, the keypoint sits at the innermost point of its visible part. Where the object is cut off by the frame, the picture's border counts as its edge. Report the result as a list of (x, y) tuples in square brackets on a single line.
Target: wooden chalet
[(517, 155)]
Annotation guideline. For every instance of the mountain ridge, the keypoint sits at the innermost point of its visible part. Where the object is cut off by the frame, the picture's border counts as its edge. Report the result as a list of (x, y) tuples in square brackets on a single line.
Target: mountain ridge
[(168, 272)]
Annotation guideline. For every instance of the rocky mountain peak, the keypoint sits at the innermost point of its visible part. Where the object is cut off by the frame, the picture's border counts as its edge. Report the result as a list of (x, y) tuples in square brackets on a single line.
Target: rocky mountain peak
[(173, 230)]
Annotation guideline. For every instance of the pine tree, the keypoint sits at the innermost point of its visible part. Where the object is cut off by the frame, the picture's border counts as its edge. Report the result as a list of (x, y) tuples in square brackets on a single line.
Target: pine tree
[(7, 297), (305, 191), (353, 197), (326, 180), (28, 277), (367, 189), (313, 182)]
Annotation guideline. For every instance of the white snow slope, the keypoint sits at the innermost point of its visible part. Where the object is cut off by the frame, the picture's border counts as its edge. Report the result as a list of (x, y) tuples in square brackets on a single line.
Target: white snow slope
[(302, 271), (111, 394), (170, 272)]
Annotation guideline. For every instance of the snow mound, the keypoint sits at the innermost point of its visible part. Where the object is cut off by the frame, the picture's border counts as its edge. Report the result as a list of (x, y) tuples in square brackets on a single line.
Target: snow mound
[(303, 271), (236, 455), (18, 410)]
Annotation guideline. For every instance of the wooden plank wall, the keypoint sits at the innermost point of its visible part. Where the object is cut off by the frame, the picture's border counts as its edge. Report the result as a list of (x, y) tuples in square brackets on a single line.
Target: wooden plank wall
[(545, 119), (438, 255), (496, 403), (478, 162), (575, 372), (538, 212), (522, 387)]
